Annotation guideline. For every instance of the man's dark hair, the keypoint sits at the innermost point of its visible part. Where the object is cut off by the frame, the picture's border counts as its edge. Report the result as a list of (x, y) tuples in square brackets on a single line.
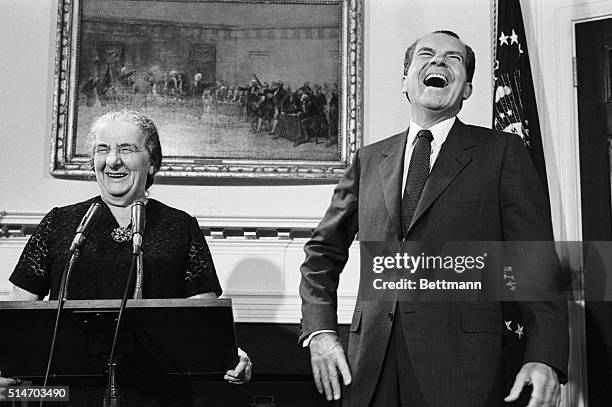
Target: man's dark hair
[(470, 57)]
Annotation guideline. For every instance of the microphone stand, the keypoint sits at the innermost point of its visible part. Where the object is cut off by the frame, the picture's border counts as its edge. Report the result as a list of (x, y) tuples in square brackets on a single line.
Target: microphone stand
[(61, 299), (111, 396), (139, 272)]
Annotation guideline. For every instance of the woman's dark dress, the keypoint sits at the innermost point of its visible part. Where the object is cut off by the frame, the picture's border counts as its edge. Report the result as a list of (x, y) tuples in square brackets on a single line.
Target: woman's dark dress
[(177, 264)]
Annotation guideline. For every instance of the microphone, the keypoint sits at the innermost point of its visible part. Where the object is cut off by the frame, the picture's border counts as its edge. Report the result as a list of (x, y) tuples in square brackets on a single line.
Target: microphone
[(86, 225), (138, 225)]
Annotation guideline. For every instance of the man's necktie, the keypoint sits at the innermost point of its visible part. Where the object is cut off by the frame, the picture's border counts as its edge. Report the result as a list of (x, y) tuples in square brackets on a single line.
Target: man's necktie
[(418, 171)]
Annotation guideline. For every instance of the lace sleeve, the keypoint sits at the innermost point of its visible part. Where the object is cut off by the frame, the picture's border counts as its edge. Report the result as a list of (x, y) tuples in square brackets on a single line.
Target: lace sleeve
[(201, 276), (32, 270)]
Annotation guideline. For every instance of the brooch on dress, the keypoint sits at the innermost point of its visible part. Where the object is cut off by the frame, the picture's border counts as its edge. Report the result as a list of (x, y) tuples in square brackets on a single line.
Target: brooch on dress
[(122, 234)]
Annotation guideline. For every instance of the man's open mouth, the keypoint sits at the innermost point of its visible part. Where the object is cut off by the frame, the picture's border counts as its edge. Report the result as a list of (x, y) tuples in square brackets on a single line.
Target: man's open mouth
[(436, 80), (116, 175)]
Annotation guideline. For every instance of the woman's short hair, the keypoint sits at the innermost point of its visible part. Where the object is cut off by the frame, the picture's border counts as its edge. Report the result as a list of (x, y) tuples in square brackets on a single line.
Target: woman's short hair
[(149, 132)]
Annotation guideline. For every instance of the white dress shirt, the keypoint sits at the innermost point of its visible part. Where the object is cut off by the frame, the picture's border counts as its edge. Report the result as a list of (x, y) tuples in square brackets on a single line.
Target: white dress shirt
[(439, 131)]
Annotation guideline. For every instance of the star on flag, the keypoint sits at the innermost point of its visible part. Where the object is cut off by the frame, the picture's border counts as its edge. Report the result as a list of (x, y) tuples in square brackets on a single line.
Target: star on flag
[(513, 38), (519, 331), (503, 40)]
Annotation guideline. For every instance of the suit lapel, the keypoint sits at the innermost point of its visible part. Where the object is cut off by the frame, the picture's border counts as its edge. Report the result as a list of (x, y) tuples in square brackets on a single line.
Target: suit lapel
[(390, 171), (453, 157)]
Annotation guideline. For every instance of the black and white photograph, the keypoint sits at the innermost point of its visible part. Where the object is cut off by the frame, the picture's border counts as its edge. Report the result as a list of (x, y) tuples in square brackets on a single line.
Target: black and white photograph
[(303, 203)]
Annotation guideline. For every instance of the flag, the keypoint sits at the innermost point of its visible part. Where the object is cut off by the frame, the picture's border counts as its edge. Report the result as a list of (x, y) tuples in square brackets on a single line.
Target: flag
[(514, 107), (515, 111)]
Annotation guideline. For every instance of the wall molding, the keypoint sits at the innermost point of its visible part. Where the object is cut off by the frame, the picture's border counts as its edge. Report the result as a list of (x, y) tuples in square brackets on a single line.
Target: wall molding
[(280, 309), (20, 223), (259, 273)]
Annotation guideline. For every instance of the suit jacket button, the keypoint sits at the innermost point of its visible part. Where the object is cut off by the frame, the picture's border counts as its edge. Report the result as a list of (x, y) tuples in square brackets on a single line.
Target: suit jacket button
[(390, 316)]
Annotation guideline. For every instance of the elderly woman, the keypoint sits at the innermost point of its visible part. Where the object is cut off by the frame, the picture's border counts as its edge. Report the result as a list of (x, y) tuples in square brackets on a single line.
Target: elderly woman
[(126, 156)]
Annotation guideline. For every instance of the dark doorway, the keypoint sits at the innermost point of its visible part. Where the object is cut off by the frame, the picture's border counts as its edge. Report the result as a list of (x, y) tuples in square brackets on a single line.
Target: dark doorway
[(594, 79)]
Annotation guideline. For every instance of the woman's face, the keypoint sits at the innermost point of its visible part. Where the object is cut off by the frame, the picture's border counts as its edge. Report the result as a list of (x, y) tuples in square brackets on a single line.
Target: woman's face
[(121, 162)]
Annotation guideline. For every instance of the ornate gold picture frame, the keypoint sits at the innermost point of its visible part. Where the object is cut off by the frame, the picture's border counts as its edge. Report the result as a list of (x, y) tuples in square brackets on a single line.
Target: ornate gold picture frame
[(237, 89)]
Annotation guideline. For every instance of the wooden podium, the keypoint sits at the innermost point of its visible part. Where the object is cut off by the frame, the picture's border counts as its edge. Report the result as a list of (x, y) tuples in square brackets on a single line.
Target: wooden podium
[(177, 336)]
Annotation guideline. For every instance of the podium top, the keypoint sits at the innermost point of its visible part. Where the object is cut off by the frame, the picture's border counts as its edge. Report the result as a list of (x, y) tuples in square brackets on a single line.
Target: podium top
[(175, 336), (115, 304)]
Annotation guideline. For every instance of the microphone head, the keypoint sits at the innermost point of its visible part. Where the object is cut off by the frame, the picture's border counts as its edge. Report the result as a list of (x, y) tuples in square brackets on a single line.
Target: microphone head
[(138, 217), (138, 225), (86, 225), (90, 218)]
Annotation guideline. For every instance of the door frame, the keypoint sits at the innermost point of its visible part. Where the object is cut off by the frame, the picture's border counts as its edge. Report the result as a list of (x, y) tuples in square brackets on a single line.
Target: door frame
[(551, 32)]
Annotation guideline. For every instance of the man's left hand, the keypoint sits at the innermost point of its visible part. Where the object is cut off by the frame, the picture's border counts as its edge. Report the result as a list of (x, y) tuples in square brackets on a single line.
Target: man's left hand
[(543, 379), (242, 372)]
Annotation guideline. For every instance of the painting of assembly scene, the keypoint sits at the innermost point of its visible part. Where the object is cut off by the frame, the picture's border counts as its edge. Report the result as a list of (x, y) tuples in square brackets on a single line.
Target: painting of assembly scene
[(221, 80)]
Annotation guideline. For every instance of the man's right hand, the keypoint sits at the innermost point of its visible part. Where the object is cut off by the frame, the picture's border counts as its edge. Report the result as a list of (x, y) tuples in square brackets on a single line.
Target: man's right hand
[(327, 359), (4, 383)]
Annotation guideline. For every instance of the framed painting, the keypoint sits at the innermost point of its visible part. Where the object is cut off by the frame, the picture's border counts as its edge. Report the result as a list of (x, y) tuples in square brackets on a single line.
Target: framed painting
[(237, 88)]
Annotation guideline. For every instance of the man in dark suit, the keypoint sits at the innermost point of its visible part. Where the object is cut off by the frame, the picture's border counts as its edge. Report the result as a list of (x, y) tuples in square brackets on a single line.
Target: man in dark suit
[(440, 180)]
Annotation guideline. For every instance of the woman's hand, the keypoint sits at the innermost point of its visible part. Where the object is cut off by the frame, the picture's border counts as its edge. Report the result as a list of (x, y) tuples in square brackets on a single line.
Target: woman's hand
[(242, 372)]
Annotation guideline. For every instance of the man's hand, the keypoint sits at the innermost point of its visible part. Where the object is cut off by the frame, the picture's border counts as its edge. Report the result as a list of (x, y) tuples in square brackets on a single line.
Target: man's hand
[(543, 379), (327, 358), (242, 372), (4, 383)]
